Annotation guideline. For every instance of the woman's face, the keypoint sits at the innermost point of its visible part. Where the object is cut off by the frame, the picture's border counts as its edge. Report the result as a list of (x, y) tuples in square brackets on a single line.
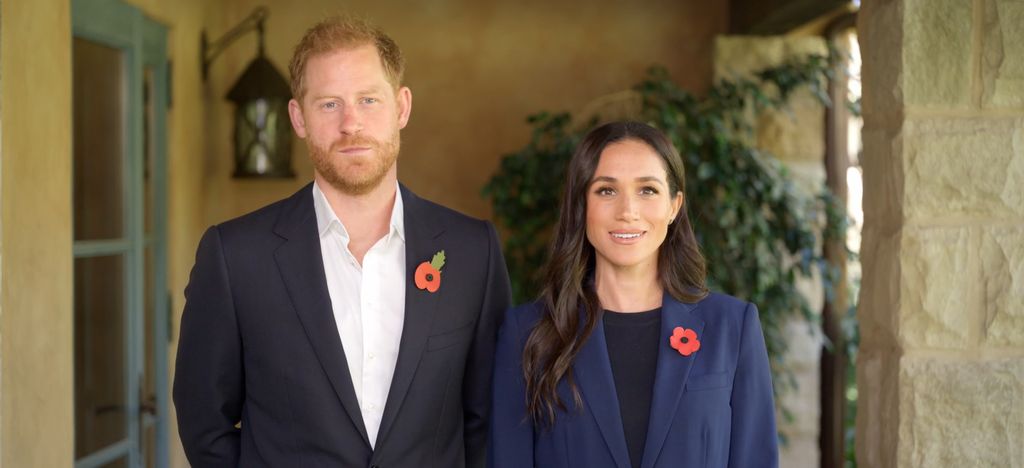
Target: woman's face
[(629, 207)]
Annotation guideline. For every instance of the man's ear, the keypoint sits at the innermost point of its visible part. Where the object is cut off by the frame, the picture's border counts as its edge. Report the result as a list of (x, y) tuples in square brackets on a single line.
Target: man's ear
[(404, 99), (298, 121)]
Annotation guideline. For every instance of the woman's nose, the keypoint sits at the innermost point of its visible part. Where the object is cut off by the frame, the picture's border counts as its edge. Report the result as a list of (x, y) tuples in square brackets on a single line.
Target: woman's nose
[(628, 208)]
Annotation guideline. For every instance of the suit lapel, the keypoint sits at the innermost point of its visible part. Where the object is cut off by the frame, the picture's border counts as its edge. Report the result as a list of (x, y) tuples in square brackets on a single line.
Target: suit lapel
[(670, 377), (422, 241), (301, 265), (593, 371)]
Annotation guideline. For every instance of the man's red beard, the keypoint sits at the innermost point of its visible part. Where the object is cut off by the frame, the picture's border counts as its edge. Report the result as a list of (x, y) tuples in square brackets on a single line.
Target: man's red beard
[(354, 177)]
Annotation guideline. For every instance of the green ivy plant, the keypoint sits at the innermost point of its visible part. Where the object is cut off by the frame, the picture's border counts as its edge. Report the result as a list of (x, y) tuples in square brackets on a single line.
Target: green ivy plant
[(758, 231)]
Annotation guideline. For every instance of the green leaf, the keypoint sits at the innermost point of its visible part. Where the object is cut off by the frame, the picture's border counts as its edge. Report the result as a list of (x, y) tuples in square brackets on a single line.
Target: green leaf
[(438, 261)]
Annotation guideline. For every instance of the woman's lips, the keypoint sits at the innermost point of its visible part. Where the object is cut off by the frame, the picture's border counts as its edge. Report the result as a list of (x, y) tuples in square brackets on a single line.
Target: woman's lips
[(627, 237)]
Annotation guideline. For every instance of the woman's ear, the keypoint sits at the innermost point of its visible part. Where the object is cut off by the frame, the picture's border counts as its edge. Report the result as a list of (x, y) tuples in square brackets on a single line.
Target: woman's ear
[(678, 203)]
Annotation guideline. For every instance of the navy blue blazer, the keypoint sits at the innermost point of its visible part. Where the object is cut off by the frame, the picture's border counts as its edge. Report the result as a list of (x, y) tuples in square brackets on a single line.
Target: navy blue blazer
[(713, 408)]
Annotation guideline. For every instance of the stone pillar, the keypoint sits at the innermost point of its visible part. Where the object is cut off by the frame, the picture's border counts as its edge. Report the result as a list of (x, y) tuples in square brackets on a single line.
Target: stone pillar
[(796, 136), (941, 366)]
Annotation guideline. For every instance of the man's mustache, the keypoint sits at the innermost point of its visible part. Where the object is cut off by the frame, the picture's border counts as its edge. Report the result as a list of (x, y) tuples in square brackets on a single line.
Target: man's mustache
[(357, 141)]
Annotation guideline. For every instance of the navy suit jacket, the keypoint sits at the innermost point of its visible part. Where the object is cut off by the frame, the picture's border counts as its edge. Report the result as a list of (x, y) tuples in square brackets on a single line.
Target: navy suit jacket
[(713, 408), (259, 345)]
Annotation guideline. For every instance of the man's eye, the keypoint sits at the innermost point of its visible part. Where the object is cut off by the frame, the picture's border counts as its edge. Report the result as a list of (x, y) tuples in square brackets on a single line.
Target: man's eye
[(330, 105), (370, 100)]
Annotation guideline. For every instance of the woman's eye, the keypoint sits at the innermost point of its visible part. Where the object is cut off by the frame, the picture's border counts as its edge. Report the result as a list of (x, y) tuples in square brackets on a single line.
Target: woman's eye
[(648, 191), (604, 191)]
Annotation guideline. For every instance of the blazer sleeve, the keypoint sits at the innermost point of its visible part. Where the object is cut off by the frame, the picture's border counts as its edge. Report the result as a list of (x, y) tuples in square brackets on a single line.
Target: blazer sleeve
[(511, 438), (754, 438), (208, 377), (476, 389)]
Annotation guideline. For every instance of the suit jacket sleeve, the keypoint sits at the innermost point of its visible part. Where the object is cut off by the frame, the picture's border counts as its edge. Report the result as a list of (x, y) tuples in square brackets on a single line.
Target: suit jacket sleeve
[(208, 377), (511, 438), (754, 438), (476, 389)]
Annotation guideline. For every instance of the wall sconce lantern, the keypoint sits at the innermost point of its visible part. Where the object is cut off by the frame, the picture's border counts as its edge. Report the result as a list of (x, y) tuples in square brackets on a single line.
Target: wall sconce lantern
[(263, 134)]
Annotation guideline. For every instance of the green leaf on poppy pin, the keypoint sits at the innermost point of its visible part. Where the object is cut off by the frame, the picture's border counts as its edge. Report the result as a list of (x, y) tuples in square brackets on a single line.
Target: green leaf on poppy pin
[(438, 261)]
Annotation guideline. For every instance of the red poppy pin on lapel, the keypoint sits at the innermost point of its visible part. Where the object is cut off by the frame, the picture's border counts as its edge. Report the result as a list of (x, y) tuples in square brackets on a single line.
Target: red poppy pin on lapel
[(684, 340), (428, 274)]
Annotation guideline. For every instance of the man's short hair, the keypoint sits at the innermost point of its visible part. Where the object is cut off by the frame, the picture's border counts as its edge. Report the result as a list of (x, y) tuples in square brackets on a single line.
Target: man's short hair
[(344, 32)]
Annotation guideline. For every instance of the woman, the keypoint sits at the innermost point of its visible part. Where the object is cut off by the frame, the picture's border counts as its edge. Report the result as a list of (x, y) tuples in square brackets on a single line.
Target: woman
[(627, 360)]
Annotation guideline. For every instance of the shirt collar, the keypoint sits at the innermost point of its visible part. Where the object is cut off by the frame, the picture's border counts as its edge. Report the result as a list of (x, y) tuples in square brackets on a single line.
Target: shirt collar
[(326, 218)]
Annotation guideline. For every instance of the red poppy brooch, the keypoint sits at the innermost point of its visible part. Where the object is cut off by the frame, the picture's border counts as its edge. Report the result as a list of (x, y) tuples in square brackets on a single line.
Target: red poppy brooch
[(428, 274), (684, 340)]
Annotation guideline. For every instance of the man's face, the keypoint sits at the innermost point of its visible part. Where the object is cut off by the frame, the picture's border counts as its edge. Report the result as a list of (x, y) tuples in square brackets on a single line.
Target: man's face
[(350, 118)]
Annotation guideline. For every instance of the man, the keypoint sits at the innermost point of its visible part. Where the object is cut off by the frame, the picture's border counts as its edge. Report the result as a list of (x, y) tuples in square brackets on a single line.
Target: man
[(352, 324)]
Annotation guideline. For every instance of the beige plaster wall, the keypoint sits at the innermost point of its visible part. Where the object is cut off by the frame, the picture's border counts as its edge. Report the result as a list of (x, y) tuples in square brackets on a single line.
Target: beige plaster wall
[(941, 368), (476, 70), (35, 234)]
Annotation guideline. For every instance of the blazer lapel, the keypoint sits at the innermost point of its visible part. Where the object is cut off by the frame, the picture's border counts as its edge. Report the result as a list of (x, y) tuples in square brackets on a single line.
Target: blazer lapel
[(670, 377), (422, 233), (302, 269), (593, 371)]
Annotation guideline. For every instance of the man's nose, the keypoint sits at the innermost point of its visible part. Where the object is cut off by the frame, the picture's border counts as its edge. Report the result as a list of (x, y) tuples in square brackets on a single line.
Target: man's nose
[(351, 121)]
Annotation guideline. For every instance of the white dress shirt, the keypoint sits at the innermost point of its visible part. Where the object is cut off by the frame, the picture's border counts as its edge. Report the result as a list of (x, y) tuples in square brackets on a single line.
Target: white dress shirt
[(368, 302)]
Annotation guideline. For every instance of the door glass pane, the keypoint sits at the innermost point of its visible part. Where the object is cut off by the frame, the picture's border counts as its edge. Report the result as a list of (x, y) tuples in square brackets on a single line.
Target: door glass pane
[(148, 345), (99, 353), (98, 140), (149, 148)]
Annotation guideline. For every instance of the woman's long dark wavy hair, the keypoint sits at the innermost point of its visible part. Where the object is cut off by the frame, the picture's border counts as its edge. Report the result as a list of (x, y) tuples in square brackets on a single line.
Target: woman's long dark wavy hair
[(557, 338)]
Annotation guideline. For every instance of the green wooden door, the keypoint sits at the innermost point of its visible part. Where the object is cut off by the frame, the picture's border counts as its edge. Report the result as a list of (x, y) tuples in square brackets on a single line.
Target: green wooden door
[(120, 71)]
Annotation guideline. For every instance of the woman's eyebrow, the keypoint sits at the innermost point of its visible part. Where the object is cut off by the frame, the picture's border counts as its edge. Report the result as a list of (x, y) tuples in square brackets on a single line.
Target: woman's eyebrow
[(650, 179), (638, 179)]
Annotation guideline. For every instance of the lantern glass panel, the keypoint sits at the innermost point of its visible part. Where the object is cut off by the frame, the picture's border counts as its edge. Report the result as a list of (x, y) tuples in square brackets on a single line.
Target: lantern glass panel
[(263, 139)]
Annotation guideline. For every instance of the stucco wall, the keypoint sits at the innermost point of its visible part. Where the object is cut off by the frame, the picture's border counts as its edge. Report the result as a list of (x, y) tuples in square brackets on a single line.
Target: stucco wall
[(35, 234)]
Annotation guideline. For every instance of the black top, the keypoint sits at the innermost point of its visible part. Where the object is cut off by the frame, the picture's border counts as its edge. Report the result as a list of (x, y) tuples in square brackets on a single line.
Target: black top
[(633, 349)]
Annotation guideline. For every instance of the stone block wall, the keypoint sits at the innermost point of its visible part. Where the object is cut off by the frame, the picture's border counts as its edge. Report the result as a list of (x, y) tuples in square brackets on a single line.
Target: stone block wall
[(941, 367)]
